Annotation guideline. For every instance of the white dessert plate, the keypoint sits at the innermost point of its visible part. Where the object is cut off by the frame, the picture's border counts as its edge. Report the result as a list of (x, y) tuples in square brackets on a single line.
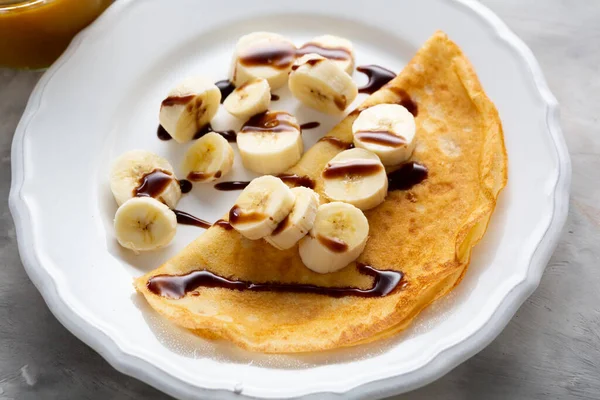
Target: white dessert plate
[(102, 97)]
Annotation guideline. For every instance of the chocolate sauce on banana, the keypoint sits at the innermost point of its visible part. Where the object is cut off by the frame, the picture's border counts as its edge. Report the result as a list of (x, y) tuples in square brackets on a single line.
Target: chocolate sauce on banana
[(281, 226), (332, 53), (378, 76), (382, 138), (228, 134), (177, 100), (385, 282), (337, 142), (223, 224), (201, 176), (226, 87), (238, 216), (310, 125), (185, 186), (188, 219), (163, 134), (270, 121), (407, 176), (334, 244), (277, 55), (153, 183), (231, 185), (352, 168)]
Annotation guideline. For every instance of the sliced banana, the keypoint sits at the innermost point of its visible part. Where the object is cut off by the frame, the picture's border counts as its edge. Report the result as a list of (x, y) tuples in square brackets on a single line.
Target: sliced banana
[(262, 55), (261, 206), (337, 238), (143, 173), (387, 130), (188, 107), (335, 48), (271, 142), (144, 223), (321, 84), (298, 222), (208, 159), (251, 98), (355, 176)]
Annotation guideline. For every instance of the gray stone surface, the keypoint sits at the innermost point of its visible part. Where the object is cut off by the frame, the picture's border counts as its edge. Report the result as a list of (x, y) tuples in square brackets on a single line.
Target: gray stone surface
[(550, 350)]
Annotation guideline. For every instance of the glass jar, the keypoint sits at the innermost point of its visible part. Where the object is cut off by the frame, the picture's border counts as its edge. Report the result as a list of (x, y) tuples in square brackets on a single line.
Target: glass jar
[(33, 33)]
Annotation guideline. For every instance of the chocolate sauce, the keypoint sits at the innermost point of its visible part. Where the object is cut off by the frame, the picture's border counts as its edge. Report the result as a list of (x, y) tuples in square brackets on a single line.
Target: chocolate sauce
[(337, 142), (185, 186), (236, 215), (297, 180), (353, 167), (201, 176), (281, 226), (223, 224), (227, 134), (188, 219), (153, 183), (409, 175), (177, 286), (334, 244), (310, 125), (173, 100), (274, 97), (162, 133), (312, 62), (231, 185), (277, 55), (270, 121), (226, 87), (378, 76), (406, 100), (382, 138), (332, 53)]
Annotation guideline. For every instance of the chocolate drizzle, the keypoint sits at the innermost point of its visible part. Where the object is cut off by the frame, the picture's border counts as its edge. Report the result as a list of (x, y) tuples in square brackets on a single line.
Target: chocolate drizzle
[(352, 168), (407, 176), (188, 219), (270, 121), (385, 282), (231, 185), (277, 55), (297, 180), (406, 100), (382, 138), (238, 216), (223, 224), (185, 186), (153, 183), (163, 134), (274, 97), (334, 244), (310, 125), (177, 100), (227, 134), (226, 87), (337, 142), (332, 53), (281, 226), (378, 76)]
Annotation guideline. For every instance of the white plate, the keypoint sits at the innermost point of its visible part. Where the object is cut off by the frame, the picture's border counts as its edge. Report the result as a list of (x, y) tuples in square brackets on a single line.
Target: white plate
[(101, 98)]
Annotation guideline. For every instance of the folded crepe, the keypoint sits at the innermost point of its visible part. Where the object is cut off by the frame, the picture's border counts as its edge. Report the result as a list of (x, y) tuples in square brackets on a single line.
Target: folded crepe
[(427, 232)]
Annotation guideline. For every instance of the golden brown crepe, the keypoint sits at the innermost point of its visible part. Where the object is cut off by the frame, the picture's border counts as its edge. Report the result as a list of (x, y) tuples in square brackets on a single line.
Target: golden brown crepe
[(426, 232)]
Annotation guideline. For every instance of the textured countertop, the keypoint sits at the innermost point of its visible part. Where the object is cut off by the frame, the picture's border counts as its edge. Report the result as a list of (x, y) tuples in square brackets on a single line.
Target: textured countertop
[(550, 350)]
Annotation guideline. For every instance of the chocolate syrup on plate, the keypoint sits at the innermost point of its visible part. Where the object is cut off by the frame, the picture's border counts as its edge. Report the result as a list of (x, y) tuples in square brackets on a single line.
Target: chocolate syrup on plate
[(310, 125), (226, 87), (385, 282), (407, 176), (231, 185), (162, 133), (228, 134), (185, 186), (274, 97), (188, 219), (378, 76)]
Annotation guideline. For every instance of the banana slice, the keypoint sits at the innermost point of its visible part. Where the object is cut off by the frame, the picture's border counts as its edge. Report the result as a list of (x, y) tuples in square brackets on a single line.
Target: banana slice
[(208, 159), (144, 223), (262, 205), (142, 173), (298, 222), (189, 107), (387, 130), (337, 238), (321, 84), (271, 142), (251, 98), (335, 48), (262, 55), (355, 176)]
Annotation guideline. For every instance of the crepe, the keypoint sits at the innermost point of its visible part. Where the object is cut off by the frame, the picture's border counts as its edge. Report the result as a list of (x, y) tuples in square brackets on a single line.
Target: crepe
[(426, 232)]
